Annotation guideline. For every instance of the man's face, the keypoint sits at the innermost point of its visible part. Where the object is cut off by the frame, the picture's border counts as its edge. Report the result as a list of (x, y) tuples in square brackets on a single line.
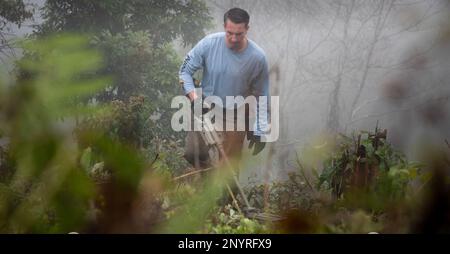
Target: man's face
[(235, 35)]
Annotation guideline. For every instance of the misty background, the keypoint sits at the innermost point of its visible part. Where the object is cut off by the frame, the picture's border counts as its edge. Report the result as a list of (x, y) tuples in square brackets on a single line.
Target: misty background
[(344, 66)]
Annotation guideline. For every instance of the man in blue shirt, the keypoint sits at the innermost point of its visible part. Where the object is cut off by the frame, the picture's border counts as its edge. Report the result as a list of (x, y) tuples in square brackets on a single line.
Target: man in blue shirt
[(232, 65)]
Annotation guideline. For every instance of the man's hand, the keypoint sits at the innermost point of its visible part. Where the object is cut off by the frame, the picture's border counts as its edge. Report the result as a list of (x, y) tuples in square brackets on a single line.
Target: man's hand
[(255, 141), (192, 96)]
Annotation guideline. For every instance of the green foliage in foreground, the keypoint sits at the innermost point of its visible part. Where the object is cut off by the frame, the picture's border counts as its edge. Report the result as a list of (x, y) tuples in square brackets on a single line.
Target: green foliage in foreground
[(45, 180), (45, 190), (228, 221)]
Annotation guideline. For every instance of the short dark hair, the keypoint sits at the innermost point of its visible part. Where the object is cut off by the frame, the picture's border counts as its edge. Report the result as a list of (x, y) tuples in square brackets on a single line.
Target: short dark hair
[(237, 16)]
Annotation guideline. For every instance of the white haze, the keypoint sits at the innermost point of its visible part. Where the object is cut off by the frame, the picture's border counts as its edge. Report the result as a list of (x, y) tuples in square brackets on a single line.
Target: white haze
[(322, 52)]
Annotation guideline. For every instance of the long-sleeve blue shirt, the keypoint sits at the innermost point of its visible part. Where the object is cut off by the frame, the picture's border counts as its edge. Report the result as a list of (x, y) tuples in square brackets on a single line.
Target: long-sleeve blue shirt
[(228, 73)]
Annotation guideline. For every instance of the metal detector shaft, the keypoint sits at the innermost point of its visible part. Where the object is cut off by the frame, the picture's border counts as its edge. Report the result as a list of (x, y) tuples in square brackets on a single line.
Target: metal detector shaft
[(211, 137), (236, 180)]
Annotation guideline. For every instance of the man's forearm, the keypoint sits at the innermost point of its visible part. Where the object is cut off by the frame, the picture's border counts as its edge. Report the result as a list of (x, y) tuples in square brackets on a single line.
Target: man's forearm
[(192, 96)]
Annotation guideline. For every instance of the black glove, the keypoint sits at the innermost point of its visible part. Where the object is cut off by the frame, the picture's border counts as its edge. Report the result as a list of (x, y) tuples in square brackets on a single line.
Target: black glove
[(255, 141)]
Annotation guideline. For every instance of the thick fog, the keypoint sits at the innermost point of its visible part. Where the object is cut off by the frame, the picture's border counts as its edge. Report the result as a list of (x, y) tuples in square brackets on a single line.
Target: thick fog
[(343, 66)]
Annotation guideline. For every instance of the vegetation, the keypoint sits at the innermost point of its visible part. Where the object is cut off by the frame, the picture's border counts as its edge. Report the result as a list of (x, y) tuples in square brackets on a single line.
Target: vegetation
[(12, 13), (84, 143)]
